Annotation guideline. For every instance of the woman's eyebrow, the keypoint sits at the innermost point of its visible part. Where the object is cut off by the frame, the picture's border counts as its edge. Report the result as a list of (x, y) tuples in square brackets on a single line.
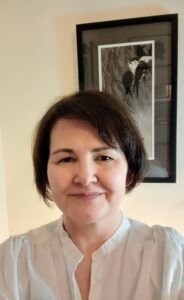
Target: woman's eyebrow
[(63, 150), (103, 148)]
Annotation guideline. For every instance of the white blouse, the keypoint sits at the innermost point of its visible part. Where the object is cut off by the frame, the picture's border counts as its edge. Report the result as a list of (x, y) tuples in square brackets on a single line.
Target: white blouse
[(137, 262)]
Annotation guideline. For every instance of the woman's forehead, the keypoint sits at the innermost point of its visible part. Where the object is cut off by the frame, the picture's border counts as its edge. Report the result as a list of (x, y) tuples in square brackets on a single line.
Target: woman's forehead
[(68, 132)]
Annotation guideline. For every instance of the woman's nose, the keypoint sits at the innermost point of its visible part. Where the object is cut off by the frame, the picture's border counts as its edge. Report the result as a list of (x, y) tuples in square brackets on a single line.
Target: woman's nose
[(85, 174)]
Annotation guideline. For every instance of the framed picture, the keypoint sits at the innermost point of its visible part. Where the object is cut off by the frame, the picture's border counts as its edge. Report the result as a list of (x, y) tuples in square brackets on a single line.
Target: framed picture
[(136, 61)]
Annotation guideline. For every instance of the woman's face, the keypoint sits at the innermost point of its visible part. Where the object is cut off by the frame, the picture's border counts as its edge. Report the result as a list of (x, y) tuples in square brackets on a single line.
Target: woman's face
[(87, 178)]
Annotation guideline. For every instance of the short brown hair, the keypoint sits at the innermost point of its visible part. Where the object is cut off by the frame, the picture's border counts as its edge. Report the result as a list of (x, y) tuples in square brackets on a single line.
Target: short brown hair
[(108, 116)]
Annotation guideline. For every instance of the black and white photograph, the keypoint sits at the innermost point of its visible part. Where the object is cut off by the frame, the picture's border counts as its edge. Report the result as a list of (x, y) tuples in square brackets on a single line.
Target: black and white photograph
[(135, 60), (127, 71)]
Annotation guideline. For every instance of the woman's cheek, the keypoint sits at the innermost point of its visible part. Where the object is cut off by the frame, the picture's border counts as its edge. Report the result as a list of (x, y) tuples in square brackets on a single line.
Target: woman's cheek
[(61, 179), (115, 177)]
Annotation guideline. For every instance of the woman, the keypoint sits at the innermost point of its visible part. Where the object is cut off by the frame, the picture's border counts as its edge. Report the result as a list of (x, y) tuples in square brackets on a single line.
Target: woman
[(87, 155)]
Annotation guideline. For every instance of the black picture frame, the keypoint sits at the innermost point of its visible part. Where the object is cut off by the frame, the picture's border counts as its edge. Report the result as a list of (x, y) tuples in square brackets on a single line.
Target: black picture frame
[(106, 51)]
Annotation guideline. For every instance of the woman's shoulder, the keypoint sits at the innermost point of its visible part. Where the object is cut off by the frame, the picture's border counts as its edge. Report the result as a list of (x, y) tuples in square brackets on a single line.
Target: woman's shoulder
[(32, 237), (157, 234)]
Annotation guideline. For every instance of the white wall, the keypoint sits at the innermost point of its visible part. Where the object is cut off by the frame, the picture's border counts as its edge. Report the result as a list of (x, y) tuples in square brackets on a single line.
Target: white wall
[(39, 63), (4, 230)]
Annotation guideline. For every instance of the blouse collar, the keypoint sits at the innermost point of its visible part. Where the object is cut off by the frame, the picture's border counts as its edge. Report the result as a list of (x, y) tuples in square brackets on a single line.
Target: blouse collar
[(70, 249)]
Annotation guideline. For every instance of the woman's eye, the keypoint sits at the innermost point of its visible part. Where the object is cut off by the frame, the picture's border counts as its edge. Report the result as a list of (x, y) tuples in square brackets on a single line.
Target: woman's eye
[(104, 158), (66, 160)]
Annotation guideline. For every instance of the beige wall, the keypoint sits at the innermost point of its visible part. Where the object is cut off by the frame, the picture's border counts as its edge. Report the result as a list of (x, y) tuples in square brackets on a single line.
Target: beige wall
[(38, 64), (4, 230)]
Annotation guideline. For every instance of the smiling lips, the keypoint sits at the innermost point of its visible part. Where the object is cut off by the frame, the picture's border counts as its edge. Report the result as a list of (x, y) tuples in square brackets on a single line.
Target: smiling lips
[(86, 196)]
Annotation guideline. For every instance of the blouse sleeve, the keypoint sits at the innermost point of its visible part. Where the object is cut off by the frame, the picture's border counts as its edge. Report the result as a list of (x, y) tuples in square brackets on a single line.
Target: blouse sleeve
[(176, 254), (181, 293), (10, 250)]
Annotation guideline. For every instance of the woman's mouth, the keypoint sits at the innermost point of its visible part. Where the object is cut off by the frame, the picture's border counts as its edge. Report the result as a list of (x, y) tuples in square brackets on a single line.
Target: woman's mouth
[(87, 196)]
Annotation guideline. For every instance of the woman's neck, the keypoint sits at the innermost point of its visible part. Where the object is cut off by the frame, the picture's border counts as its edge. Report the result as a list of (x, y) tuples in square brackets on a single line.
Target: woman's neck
[(89, 237)]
